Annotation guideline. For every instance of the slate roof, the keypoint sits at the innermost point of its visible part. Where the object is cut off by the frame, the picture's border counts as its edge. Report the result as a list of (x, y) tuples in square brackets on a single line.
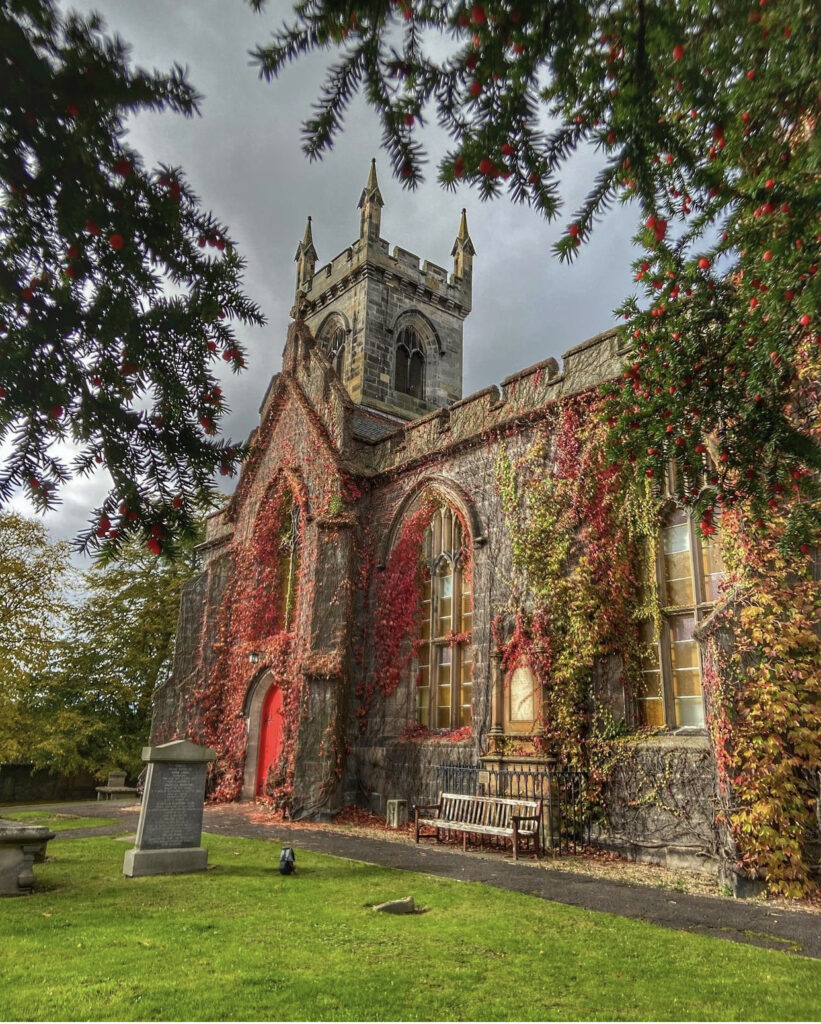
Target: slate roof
[(370, 426)]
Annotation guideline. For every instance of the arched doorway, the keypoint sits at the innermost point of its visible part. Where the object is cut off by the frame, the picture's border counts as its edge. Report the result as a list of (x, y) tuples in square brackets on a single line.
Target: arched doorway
[(270, 735)]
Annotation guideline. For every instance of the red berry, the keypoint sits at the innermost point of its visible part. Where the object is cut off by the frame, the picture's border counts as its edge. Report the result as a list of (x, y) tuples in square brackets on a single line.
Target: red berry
[(2, 392), (72, 252), (157, 530), (704, 263), (477, 15), (177, 503), (72, 110), (116, 241), (486, 166), (507, 149), (123, 168), (409, 119), (534, 178), (56, 412), (573, 230), (678, 51), (768, 255), (154, 546), (458, 167), (475, 87), (92, 228), (225, 469), (805, 320)]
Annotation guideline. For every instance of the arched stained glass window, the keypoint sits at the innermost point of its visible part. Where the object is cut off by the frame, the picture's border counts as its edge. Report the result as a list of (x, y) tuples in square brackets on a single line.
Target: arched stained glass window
[(409, 375), (444, 659)]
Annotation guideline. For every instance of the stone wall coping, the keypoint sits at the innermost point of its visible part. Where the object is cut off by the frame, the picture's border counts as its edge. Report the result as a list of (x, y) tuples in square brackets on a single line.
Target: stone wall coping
[(180, 751)]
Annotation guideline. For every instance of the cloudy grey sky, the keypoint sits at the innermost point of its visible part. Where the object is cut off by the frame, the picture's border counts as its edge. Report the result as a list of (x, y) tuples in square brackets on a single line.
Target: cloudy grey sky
[(243, 156)]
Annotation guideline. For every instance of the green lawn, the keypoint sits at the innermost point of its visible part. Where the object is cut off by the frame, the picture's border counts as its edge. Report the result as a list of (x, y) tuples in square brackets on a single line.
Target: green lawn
[(242, 942), (58, 822)]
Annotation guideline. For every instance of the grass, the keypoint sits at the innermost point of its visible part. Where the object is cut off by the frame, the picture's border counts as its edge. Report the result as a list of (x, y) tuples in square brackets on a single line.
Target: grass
[(242, 942), (59, 822)]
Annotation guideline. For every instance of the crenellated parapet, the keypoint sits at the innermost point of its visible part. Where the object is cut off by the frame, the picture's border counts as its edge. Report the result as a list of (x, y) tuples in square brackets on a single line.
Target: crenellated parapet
[(521, 397)]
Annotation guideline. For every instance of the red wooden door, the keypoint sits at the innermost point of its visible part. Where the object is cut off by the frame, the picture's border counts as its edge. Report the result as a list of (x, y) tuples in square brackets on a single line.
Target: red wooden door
[(270, 735)]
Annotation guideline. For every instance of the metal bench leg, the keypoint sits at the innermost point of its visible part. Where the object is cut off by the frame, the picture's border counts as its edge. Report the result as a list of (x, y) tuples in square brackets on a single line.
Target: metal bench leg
[(515, 841)]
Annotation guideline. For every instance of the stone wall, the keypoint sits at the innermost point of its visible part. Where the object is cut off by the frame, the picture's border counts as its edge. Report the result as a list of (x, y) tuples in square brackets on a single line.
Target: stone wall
[(661, 803), (400, 771), (23, 784)]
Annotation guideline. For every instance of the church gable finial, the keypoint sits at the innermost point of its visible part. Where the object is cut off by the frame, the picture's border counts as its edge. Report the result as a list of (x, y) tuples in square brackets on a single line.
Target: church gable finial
[(371, 203), (463, 240), (306, 257), (463, 253)]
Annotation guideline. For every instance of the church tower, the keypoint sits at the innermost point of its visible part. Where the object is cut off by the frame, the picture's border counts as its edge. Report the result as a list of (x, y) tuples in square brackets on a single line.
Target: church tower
[(391, 328)]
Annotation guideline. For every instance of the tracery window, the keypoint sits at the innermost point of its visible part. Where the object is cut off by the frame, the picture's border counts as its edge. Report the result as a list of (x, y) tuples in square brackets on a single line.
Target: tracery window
[(409, 375), (444, 655), (689, 571), (334, 348)]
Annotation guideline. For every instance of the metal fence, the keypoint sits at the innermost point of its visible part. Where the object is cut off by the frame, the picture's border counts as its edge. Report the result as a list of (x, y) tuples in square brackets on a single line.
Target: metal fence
[(566, 821)]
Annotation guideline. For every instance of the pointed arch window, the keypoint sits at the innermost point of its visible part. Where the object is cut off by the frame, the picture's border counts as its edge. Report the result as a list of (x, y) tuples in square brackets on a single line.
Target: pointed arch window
[(689, 571), (288, 563), (444, 655), (335, 349), (409, 376)]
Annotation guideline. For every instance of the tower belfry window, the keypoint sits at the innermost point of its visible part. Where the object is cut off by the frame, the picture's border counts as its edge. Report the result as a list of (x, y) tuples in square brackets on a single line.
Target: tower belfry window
[(409, 377), (335, 349)]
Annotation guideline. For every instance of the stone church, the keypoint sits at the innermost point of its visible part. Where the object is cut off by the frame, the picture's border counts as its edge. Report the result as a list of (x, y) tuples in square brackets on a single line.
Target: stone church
[(350, 630)]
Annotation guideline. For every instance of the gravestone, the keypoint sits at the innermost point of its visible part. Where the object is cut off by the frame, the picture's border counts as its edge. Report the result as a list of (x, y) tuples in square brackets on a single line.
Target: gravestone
[(170, 827)]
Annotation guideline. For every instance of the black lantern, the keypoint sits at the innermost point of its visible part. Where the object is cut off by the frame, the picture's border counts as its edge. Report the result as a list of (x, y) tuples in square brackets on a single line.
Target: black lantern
[(287, 861)]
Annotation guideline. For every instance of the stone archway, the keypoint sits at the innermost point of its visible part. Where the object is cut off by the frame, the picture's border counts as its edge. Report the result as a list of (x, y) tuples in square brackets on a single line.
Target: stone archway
[(265, 728)]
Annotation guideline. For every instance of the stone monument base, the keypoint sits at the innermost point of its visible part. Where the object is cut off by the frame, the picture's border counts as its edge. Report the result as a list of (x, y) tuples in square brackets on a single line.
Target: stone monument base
[(173, 861)]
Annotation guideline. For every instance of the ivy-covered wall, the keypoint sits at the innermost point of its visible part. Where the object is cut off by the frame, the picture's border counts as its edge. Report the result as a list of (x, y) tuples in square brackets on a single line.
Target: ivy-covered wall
[(557, 546)]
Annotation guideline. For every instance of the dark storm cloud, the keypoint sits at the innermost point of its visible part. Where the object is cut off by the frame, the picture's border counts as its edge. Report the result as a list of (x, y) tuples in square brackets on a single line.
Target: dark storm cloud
[(243, 157)]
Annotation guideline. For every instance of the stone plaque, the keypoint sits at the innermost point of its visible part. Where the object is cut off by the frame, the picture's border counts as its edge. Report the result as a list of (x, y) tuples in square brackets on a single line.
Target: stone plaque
[(521, 695), (170, 826)]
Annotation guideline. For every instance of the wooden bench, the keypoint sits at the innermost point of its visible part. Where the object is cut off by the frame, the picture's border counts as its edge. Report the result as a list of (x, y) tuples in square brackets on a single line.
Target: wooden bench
[(520, 820), (115, 787)]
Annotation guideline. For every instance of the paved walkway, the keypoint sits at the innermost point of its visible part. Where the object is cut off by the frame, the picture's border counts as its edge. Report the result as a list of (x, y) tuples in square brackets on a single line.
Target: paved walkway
[(737, 920)]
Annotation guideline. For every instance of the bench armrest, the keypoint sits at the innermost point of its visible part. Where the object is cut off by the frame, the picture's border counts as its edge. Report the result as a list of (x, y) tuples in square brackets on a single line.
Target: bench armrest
[(526, 817), (427, 807)]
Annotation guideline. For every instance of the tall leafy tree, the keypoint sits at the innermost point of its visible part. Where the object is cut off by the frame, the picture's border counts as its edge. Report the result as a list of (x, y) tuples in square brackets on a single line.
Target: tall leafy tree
[(703, 116), (117, 289), (34, 575), (94, 710)]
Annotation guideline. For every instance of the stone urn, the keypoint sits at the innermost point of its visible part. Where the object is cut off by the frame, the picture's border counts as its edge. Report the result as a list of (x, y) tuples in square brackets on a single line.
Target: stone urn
[(20, 846)]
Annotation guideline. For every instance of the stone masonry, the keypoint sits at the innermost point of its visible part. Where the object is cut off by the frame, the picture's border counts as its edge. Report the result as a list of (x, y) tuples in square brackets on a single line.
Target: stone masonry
[(358, 455)]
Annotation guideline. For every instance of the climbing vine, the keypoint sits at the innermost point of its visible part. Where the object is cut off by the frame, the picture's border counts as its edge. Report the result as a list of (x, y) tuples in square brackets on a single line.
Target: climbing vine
[(255, 634), (763, 688), (397, 593), (579, 555)]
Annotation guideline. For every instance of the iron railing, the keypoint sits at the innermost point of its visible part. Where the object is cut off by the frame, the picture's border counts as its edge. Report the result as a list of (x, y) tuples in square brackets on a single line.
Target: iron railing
[(566, 822)]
